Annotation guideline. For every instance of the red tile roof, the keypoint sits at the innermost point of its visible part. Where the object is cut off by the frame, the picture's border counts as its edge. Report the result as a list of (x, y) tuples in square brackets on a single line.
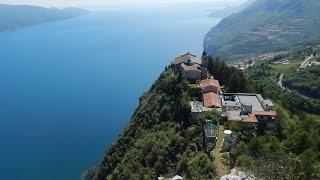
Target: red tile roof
[(265, 113), (210, 82), (194, 67), (251, 119), (236, 116), (185, 58), (211, 100)]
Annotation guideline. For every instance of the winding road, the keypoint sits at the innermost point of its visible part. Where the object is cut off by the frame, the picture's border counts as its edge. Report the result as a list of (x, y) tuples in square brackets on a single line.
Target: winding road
[(280, 84), (306, 62)]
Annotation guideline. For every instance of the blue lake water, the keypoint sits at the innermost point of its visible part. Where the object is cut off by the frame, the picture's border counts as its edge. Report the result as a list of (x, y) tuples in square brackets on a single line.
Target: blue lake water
[(67, 88)]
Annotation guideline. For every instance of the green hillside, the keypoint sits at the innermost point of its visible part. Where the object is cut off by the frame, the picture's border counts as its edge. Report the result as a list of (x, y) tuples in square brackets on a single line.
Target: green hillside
[(305, 81), (158, 140), (266, 25), (18, 16)]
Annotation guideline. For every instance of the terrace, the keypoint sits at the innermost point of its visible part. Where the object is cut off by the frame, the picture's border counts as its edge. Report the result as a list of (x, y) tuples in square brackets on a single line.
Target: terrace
[(249, 109)]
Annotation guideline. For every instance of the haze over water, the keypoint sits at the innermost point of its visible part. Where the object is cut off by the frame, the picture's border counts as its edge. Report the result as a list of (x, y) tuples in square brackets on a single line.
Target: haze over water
[(69, 87)]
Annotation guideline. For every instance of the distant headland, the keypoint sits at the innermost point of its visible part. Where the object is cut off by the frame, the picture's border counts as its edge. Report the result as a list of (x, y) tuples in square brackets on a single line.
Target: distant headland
[(13, 17)]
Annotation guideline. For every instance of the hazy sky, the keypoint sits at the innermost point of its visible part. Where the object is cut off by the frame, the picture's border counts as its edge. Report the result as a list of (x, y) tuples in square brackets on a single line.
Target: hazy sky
[(109, 3)]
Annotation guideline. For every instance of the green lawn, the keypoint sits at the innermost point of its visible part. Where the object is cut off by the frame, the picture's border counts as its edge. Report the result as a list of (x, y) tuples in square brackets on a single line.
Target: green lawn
[(284, 68)]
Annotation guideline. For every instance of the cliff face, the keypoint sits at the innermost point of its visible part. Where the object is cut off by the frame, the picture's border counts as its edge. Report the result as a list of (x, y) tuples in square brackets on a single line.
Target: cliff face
[(266, 25), (18, 16), (158, 141)]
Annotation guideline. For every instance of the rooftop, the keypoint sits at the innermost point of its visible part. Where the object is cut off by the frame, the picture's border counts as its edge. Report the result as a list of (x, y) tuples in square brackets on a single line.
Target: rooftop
[(236, 116), (265, 113), (186, 57), (194, 67), (241, 101), (210, 82), (211, 99), (231, 103), (238, 99), (197, 107), (251, 100), (268, 102)]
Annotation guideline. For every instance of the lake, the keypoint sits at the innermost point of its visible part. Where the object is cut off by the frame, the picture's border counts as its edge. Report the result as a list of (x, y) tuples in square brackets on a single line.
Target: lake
[(69, 87)]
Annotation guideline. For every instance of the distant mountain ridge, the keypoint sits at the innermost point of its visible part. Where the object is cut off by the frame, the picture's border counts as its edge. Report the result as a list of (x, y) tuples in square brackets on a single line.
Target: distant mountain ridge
[(225, 12), (266, 25), (18, 16)]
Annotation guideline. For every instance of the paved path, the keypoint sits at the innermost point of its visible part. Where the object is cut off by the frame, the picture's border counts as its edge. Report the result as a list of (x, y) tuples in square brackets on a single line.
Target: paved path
[(306, 62), (220, 167), (280, 84)]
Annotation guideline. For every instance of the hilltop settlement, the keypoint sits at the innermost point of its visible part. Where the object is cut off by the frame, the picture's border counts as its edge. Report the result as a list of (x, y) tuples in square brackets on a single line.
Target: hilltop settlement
[(208, 119), (246, 110), (202, 119)]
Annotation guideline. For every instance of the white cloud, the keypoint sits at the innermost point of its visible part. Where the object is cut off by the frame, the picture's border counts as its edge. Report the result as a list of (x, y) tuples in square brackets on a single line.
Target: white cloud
[(108, 3)]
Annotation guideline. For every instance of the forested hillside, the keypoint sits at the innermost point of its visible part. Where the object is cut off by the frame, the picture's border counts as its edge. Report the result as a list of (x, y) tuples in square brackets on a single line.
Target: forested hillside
[(18, 16), (158, 140), (306, 81), (293, 151), (266, 25)]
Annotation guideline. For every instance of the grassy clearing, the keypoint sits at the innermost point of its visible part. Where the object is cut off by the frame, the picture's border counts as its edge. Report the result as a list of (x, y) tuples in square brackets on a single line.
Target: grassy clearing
[(284, 68)]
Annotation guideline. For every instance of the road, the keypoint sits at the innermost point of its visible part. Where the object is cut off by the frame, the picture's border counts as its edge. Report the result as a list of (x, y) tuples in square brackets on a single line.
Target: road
[(306, 62), (280, 84)]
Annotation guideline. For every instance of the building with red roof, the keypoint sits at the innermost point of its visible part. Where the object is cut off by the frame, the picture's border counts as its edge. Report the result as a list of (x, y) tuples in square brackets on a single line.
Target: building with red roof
[(210, 85), (211, 100), (192, 72)]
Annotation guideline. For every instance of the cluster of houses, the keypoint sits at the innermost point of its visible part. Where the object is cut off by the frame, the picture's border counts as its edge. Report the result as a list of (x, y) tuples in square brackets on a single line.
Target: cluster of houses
[(272, 57), (250, 111)]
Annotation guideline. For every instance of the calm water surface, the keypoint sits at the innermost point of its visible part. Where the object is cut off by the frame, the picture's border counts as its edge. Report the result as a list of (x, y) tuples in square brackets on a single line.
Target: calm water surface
[(67, 88)]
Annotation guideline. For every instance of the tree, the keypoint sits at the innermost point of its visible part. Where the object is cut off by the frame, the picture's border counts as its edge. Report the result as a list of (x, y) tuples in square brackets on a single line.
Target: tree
[(235, 84), (310, 164)]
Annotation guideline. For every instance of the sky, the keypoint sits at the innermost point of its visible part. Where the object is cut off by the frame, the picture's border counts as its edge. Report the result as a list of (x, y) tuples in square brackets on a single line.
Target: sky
[(112, 3)]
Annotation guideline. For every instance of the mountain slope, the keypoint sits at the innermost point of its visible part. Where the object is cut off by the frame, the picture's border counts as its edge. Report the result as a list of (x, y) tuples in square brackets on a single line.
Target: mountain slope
[(266, 25), (18, 16), (225, 12), (157, 141)]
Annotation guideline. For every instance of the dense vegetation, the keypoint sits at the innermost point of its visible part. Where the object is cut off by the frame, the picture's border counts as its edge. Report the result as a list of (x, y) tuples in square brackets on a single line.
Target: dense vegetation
[(305, 81), (158, 140), (293, 151), (15, 16), (266, 25), (265, 80), (234, 80)]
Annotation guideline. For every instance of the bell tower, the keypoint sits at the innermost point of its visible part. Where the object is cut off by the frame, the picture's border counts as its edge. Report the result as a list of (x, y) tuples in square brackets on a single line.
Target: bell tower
[(205, 59)]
